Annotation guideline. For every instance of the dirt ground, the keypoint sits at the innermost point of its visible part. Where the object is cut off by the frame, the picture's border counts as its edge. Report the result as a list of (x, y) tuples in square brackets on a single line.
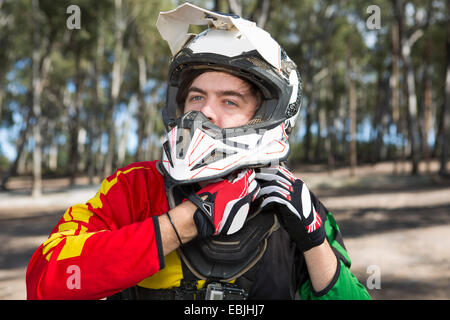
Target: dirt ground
[(396, 228)]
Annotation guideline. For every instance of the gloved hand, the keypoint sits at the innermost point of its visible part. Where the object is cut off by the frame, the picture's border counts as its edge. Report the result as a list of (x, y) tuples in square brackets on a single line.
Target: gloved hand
[(291, 200), (226, 206)]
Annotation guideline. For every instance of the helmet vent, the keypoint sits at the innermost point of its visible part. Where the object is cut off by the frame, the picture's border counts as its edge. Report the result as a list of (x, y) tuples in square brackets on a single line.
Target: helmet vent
[(291, 110), (254, 121), (259, 63), (212, 157)]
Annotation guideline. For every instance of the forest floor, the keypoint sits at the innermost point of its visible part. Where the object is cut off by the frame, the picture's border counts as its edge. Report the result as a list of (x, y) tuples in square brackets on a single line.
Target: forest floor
[(396, 227)]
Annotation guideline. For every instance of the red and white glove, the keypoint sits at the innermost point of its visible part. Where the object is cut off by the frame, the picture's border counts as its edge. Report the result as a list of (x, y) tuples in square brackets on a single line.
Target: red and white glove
[(226, 206), (291, 200)]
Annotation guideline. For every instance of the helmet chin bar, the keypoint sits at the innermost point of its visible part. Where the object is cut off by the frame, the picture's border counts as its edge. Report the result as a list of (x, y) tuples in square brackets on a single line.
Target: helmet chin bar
[(197, 150)]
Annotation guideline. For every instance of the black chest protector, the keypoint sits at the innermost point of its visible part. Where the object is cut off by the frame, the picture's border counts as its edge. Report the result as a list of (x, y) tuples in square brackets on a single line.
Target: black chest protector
[(261, 257), (225, 258)]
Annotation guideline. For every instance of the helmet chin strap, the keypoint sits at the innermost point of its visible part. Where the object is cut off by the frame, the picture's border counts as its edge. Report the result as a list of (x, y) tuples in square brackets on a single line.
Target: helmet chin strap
[(189, 192), (176, 193)]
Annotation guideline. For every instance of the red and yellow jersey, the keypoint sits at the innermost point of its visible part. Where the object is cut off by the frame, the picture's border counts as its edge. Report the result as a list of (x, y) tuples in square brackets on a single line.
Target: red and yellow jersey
[(106, 245)]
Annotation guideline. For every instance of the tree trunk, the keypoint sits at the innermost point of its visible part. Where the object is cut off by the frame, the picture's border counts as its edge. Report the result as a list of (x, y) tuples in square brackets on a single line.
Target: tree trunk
[(428, 100), (92, 132), (74, 122), (119, 25), (53, 148), (330, 140), (40, 67), (406, 45), (36, 103), (123, 138), (308, 122), (259, 14), (320, 127), (264, 12), (412, 98), (235, 6), (100, 157), (380, 124), (141, 107), (122, 146), (95, 159), (395, 74), (352, 114), (150, 127), (53, 157), (394, 84), (446, 112)]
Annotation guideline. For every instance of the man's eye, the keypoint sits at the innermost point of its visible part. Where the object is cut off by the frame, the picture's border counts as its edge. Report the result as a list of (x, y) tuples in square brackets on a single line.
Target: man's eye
[(195, 98), (230, 103)]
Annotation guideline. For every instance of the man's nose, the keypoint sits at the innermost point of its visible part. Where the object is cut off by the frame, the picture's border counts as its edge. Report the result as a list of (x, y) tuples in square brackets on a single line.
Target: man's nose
[(209, 109)]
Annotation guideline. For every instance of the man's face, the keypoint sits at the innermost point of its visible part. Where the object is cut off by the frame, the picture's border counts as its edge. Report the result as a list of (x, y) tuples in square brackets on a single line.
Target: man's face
[(226, 100)]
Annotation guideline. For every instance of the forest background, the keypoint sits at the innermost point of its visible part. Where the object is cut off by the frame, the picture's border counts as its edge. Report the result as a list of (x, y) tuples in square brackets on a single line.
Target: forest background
[(85, 96)]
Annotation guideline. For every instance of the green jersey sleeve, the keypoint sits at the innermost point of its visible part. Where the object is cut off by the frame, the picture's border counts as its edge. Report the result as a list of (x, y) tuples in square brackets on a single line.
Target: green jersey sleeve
[(344, 285)]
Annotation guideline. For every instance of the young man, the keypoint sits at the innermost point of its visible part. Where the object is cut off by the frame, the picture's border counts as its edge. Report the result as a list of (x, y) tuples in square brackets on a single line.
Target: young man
[(218, 217)]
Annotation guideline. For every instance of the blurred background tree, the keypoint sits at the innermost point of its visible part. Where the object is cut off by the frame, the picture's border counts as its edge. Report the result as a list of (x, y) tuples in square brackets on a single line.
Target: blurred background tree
[(87, 101)]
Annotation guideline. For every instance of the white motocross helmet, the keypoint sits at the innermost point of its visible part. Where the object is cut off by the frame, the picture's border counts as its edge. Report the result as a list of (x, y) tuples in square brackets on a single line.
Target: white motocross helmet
[(194, 148)]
